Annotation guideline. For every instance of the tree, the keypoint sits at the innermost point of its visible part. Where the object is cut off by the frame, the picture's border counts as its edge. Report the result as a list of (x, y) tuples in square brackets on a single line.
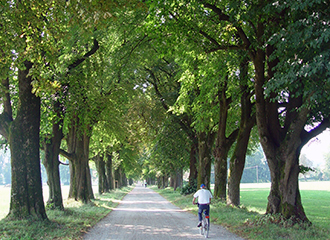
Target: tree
[(247, 122), (281, 135)]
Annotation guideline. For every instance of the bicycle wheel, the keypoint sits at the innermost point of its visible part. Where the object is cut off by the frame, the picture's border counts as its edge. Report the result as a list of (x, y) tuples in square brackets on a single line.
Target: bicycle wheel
[(207, 227), (201, 229)]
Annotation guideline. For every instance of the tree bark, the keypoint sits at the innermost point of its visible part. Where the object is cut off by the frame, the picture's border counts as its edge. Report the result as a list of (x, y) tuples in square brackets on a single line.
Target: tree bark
[(102, 178), (222, 147), (247, 122), (281, 144), (26, 191), (205, 143), (78, 155), (193, 173), (109, 172), (118, 177), (51, 163)]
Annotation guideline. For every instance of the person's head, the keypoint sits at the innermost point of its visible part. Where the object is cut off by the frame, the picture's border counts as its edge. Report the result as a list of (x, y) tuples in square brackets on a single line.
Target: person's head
[(202, 185)]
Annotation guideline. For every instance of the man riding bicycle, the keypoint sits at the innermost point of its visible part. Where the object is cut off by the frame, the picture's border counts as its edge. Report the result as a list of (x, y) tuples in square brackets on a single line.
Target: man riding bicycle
[(204, 199)]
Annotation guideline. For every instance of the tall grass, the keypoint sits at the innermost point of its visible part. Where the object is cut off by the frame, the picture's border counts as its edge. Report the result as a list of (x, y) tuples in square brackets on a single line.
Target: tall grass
[(69, 224), (250, 221)]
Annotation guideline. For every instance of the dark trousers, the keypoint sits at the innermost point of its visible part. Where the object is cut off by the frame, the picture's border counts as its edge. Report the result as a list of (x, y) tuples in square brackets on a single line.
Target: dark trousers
[(201, 208)]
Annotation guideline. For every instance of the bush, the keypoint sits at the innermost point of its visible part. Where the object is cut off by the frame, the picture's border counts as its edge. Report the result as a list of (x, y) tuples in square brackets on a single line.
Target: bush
[(189, 188)]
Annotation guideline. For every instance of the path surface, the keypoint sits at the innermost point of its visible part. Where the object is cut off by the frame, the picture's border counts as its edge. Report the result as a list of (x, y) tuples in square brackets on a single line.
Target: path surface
[(144, 214)]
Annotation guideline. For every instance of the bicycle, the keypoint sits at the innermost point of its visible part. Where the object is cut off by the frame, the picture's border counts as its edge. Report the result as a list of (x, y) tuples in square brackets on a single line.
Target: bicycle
[(205, 227)]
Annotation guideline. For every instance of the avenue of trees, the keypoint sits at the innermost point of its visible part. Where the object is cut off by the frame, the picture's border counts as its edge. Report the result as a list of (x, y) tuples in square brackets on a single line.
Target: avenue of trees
[(155, 89)]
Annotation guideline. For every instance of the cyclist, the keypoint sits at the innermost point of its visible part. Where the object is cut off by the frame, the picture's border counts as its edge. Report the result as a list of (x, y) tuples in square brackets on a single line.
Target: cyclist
[(204, 199)]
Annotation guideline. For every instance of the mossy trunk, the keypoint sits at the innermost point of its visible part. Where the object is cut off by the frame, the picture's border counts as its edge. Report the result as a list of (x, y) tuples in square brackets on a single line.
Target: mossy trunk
[(284, 196), (205, 143), (26, 190)]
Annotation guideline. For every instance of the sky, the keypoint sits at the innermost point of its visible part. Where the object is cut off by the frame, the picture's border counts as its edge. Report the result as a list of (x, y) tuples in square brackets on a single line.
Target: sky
[(317, 147)]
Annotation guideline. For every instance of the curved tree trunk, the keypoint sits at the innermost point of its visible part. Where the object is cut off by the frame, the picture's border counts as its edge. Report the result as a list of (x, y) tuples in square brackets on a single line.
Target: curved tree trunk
[(26, 191), (205, 143)]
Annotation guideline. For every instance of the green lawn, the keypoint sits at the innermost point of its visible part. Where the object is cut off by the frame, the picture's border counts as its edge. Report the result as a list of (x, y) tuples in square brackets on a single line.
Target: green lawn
[(250, 220), (315, 202)]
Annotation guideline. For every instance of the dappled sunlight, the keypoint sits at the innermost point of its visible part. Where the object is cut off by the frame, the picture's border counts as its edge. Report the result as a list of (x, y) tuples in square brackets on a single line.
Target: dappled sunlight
[(143, 202), (152, 232), (147, 210)]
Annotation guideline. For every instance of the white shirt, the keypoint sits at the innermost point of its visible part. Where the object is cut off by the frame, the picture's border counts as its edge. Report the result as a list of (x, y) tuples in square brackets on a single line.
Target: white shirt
[(203, 196)]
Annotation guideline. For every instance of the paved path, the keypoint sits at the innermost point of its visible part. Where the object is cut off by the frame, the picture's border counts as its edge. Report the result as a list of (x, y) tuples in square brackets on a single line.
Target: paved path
[(144, 214)]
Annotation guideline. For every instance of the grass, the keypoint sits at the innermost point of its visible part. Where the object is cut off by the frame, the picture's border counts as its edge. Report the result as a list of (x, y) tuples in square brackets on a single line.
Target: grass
[(250, 222), (69, 224)]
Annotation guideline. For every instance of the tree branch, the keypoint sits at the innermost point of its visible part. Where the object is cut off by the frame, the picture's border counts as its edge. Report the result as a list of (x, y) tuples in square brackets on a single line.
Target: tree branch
[(225, 17), (306, 136), (66, 164), (67, 155), (86, 55)]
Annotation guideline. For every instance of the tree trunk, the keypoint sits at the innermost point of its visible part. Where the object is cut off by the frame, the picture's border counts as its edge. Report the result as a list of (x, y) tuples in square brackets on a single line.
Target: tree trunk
[(109, 173), (172, 180), (247, 122), (51, 163), (102, 179), (236, 166), (165, 180), (26, 191), (281, 142), (222, 147), (177, 179), (284, 195), (80, 178), (193, 173), (118, 177), (205, 143), (124, 178)]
